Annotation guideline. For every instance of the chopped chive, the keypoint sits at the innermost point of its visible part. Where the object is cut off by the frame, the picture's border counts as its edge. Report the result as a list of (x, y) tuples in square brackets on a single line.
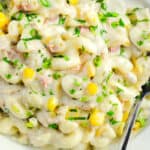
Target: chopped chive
[(119, 90), (121, 23), (45, 3), (122, 51), (46, 63), (97, 61), (114, 24), (81, 21), (38, 69), (77, 83), (102, 32), (93, 28), (73, 110), (51, 92), (140, 43), (18, 16), (113, 122), (84, 99), (56, 75), (6, 59), (53, 126), (8, 76), (77, 118), (110, 113), (77, 31), (72, 91), (62, 20), (99, 99), (103, 6)]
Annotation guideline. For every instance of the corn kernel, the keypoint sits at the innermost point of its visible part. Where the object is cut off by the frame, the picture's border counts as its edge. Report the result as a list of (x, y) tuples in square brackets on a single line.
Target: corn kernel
[(28, 73), (52, 104), (100, 131), (3, 20), (137, 126), (1, 32), (120, 129), (92, 88), (91, 70), (125, 116), (46, 40), (73, 2), (97, 118)]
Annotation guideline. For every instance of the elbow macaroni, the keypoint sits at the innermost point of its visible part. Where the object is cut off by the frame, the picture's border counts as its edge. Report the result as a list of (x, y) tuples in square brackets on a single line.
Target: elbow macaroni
[(70, 71)]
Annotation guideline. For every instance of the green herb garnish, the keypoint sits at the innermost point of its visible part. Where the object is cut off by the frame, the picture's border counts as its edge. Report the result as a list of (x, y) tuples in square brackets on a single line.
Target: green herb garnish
[(45, 3), (53, 126), (97, 61), (77, 31)]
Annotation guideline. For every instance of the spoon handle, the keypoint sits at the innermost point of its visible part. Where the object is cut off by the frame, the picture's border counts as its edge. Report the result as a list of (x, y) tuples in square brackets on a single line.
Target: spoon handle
[(129, 126)]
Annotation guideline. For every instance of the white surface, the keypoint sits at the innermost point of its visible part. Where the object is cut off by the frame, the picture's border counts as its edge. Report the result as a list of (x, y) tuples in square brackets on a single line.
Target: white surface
[(141, 142)]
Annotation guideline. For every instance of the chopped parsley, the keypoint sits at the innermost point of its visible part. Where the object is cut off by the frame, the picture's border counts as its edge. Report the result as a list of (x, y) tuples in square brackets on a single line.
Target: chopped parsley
[(53, 126), (97, 61), (77, 31)]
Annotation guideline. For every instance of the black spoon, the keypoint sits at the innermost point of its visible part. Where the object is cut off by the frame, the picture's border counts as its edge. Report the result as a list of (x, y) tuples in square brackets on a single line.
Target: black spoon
[(133, 114)]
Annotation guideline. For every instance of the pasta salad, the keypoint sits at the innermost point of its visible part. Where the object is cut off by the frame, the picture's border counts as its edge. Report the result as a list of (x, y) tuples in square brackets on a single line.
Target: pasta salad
[(70, 71)]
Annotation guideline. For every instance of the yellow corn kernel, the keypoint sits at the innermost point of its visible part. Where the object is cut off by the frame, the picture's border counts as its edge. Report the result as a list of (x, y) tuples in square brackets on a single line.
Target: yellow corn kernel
[(3, 20), (73, 2), (125, 116), (52, 104), (120, 129), (92, 88), (91, 70), (28, 73), (46, 40), (100, 131), (97, 118), (137, 126), (1, 32)]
